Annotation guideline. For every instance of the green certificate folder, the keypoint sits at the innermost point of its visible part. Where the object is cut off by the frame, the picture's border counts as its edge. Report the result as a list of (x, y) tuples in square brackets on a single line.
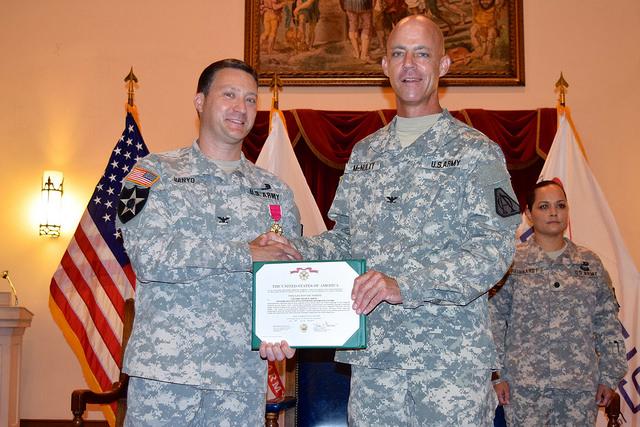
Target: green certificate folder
[(307, 303)]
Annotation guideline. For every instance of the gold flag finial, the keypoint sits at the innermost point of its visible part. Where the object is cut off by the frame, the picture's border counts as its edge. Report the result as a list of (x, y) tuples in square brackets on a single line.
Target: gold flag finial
[(561, 86), (276, 86), (131, 79)]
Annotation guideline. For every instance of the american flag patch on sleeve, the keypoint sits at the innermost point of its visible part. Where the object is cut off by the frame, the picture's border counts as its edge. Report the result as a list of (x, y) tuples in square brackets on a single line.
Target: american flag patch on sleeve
[(142, 177)]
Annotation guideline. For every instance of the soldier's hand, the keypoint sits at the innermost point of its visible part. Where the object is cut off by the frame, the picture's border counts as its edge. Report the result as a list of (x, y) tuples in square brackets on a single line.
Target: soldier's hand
[(271, 247), (270, 236), (502, 391), (276, 351), (373, 287), (603, 395)]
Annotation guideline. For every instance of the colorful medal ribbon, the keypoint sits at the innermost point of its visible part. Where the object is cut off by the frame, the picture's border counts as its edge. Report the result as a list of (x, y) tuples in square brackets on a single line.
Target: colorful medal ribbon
[(276, 215)]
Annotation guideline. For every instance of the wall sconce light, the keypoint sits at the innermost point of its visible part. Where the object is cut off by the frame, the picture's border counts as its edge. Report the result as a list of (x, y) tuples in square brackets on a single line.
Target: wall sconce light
[(51, 199)]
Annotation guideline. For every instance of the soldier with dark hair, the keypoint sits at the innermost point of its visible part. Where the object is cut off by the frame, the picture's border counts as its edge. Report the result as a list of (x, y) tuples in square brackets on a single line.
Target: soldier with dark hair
[(555, 324), (189, 218)]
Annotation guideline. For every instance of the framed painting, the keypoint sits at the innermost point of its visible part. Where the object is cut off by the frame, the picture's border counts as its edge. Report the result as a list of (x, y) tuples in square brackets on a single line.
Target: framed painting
[(341, 42)]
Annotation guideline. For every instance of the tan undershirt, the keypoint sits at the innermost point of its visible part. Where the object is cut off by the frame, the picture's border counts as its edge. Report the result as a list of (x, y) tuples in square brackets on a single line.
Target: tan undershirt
[(409, 129), (227, 166), (555, 254)]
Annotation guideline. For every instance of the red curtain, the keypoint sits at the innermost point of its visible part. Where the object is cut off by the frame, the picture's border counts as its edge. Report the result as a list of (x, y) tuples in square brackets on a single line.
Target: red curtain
[(323, 140)]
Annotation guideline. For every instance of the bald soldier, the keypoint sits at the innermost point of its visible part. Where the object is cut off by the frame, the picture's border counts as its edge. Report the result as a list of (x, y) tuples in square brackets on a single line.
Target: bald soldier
[(427, 201)]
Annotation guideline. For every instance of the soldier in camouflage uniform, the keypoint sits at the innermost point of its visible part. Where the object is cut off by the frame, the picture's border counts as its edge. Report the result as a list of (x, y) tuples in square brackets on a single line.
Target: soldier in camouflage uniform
[(555, 325), (427, 201), (188, 218)]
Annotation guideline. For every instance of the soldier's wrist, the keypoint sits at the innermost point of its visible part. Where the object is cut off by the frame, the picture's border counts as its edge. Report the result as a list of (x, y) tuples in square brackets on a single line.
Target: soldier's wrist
[(496, 378)]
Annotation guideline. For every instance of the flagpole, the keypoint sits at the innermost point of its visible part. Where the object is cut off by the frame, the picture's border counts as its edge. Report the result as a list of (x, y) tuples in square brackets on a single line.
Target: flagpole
[(87, 307)]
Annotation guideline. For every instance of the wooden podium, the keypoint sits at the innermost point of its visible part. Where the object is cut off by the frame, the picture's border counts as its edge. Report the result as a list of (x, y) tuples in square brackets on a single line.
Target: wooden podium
[(13, 321)]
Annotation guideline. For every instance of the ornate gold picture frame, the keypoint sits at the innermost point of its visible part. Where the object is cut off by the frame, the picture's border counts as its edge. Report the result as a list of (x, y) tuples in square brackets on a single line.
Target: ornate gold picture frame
[(340, 42)]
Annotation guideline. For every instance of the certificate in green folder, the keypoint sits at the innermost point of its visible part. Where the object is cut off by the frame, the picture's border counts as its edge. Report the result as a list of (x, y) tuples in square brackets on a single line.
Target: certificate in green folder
[(307, 303)]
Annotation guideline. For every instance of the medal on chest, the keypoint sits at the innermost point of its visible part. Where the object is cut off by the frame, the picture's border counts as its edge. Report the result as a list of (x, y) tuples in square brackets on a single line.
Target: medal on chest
[(276, 214)]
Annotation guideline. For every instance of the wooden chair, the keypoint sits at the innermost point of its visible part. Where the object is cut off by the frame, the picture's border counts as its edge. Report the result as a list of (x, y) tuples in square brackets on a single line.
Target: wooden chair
[(274, 407), (118, 393)]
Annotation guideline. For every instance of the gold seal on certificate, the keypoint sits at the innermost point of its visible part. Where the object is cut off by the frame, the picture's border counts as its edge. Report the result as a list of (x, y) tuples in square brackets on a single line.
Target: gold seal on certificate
[(307, 303)]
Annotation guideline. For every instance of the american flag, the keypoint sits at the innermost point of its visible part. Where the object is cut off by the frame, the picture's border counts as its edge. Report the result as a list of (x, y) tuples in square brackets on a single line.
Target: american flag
[(95, 276)]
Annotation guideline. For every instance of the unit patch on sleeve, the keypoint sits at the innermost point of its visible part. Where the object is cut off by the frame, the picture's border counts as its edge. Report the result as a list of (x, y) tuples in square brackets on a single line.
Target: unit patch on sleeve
[(132, 200), (505, 205), (142, 177)]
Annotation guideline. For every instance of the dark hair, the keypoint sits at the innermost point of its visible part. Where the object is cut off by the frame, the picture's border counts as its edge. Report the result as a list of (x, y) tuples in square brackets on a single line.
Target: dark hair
[(531, 196), (209, 73)]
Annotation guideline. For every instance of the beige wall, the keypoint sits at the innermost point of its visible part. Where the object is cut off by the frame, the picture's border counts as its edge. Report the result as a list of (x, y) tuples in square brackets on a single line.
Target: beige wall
[(62, 97)]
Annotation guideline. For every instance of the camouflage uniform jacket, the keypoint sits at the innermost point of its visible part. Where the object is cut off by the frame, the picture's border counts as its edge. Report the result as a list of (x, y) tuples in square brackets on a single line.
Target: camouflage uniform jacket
[(426, 215), (189, 248), (555, 321)]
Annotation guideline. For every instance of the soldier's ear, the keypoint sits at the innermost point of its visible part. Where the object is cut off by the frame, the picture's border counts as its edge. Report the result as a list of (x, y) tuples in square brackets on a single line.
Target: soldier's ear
[(198, 101), (527, 213), (385, 66), (445, 63)]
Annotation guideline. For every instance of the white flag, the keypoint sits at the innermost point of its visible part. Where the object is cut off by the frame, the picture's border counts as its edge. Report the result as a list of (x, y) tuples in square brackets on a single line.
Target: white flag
[(592, 224), (277, 156)]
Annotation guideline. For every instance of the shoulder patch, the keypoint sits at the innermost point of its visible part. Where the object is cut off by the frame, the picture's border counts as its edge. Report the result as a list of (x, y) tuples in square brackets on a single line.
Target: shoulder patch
[(142, 177), (505, 205), (131, 202)]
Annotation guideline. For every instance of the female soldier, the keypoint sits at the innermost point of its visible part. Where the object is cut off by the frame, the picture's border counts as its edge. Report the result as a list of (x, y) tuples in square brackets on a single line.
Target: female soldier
[(555, 324)]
